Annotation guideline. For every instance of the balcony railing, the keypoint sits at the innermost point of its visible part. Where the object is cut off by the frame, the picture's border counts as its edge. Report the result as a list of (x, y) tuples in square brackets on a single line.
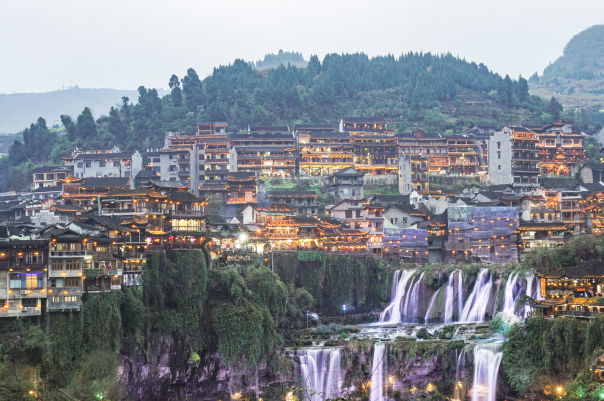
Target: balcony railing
[(70, 254), (187, 213)]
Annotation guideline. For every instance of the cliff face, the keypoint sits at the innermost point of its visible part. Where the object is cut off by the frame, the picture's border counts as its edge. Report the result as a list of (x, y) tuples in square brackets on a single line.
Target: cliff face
[(163, 372)]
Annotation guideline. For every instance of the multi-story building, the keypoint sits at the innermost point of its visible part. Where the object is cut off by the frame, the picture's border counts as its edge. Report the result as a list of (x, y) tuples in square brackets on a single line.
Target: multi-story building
[(70, 255), (481, 235), (321, 150), (572, 205), (404, 174), (560, 149), (540, 235), (200, 160), (592, 173), (303, 203), (420, 144), (85, 191), (513, 157), (407, 246), (51, 176), (368, 218), (420, 179), (104, 163), (241, 187), (267, 151), (464, 155), (23, 266), (345, 184), (374, 145)]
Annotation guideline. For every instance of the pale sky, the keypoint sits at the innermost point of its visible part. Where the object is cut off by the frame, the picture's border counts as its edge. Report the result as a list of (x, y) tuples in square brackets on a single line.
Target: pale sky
[(45, 44)]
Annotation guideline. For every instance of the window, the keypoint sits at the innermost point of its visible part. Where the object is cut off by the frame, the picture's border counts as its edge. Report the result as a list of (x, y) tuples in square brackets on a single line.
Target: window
[(498, 154), (55, 299), (71, 282), (56, 283), (348, 214), (358, 213), (102, 164), (29, 302), (72, 264), (72, 298), (26, 281), (88, 164), (498, 145), (80, 165), (499, 167), (404, 220), (156, 159), (57, 265)]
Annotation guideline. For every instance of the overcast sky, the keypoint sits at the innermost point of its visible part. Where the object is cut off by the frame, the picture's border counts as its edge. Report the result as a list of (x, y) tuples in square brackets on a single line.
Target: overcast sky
[(45, 44)]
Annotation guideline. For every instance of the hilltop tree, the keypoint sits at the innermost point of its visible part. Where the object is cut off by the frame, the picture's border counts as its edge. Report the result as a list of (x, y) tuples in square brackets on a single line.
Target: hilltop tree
[(86, 126), (193, 90), (555, 109), (36, 139), (115, 125), (176, 91), (70, 127)]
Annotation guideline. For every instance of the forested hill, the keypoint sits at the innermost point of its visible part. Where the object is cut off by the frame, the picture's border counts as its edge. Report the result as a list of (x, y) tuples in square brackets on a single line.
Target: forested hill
[(577, 77), (583, 56), (440, 93)]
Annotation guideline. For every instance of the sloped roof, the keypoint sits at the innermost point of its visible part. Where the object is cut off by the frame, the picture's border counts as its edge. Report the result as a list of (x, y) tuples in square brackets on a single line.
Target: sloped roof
[(348, 172), (54, 188), (105, 182)]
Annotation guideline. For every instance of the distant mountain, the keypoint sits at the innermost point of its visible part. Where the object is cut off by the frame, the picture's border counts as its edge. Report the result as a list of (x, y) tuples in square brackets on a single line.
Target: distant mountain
[(19, 110), (583, 56), (576, 78), (281, 58)]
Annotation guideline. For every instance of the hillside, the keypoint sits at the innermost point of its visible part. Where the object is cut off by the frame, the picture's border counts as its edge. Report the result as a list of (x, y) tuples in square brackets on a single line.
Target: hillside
[(577, 77), (19, 110), (439, 93)]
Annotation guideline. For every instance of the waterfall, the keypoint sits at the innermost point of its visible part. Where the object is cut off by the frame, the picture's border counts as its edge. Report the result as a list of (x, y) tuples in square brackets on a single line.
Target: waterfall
[(459, 295), (508, 299), (392, 313), (431, 305), (487, 358), (412, 301), (476, 305), (319, 382), (450, 296), (376, 392), (529, 289), (458, 391), (332, 386)]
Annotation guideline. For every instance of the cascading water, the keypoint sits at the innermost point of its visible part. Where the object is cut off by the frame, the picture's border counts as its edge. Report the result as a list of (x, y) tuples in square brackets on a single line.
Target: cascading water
[(412, 301), (332, 386), (509, 302), (459, 388), (487, 358), (392, 313), (529, 289), (431, 305), (318, 381), (475, 308), (378, 373), (450, 296)]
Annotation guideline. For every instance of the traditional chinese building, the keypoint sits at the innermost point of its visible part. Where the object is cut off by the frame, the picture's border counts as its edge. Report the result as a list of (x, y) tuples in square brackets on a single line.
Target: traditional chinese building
[(481, 235), (323, 152)]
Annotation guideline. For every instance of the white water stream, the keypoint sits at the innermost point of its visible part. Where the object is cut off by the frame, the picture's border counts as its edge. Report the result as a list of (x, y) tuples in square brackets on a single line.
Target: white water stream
[(487, 357), (318, 381), (378, 389)]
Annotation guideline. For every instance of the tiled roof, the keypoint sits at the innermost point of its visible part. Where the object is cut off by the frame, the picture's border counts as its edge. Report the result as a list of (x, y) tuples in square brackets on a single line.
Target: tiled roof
[(105, 182)]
